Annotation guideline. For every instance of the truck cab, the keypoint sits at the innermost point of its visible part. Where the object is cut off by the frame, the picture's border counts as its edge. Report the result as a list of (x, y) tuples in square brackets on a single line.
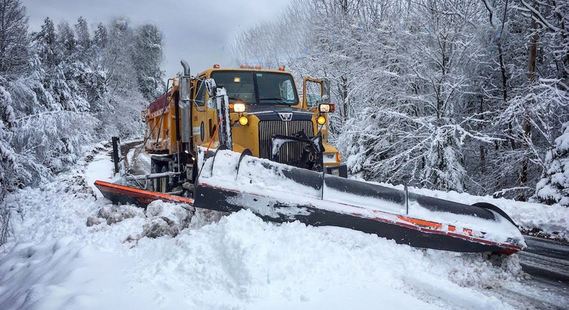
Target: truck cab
[(266, 116)]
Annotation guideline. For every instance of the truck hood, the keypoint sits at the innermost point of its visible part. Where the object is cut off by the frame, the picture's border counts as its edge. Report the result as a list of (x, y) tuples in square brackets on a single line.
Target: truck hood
[(278, 113)]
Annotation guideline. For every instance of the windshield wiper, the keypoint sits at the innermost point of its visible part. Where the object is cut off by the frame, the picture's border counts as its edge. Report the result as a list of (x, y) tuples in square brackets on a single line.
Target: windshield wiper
[(278, 100), (238, 100)]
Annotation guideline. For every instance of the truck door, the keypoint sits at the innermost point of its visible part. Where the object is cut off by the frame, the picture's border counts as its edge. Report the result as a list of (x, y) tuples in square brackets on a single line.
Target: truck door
[(204, 119), (200, 124)]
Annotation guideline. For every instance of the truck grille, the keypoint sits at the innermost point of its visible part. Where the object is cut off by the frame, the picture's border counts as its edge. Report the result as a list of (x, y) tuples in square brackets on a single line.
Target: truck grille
[(289, 152)]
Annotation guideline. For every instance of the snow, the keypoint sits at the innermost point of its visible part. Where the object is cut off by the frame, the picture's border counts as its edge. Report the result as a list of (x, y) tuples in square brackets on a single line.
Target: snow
[(99, 169), (54, 260)]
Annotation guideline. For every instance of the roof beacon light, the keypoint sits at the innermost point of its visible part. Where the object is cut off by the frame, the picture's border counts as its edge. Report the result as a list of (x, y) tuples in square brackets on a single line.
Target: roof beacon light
[(216, 66), (282, 68)]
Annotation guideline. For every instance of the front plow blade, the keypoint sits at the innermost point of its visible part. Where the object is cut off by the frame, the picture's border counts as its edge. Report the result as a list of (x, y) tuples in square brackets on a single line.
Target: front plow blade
[(119, 194), (282, 193)]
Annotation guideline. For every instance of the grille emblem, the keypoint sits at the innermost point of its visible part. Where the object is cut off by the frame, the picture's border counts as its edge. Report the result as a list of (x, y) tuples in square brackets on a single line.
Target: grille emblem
[(286, 117)]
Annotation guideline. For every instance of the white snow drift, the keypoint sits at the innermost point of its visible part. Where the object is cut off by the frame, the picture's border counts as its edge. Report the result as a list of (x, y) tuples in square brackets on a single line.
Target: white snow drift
[(54, 260)]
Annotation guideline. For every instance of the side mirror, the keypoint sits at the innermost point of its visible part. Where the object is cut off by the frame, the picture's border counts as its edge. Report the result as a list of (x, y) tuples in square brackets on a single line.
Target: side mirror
[(319, 92), (210, 87), (325, 91)]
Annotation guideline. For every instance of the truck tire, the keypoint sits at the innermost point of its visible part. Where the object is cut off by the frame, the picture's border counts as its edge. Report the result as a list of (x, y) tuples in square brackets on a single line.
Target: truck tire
[(159, 166)]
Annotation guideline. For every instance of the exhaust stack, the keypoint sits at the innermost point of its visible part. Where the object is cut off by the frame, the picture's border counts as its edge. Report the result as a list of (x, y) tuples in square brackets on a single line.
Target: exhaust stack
[(185, 91)]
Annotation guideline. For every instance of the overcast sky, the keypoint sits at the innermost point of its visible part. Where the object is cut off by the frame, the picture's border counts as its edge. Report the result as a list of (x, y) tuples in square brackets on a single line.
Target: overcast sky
[(199, 31)]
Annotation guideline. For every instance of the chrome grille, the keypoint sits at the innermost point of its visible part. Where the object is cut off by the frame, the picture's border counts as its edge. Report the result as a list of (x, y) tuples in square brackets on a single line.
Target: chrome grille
[(289, 152)]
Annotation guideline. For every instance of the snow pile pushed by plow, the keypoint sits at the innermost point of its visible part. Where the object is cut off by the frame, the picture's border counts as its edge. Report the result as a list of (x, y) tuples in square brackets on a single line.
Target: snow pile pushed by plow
[(55, 261), (162, 219)]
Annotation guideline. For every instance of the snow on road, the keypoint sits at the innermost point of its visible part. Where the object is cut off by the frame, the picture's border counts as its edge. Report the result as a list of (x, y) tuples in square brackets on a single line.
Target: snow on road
[(55, 261)]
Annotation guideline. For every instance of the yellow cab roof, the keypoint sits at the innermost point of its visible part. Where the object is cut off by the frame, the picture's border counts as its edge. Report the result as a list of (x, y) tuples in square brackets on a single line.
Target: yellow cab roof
[(208, 71)]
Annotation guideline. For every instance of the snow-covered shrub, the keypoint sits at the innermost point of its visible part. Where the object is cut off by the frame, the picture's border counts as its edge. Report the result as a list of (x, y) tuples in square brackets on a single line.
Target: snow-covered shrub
[(554, 187)]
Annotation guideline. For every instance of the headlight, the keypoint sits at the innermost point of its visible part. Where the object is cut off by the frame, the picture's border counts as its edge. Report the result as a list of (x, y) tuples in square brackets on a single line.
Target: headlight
[(321, 120), (330, 158), (324, 108), (239, 107)]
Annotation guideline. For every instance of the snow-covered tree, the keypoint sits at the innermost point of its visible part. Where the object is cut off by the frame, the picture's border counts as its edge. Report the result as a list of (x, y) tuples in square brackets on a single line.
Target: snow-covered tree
[(83, 37), (432, 92), (13, 63), (47, 45), (7, 156), (147, 57), (534, 109), (123, 100), (66, 39), (101, 37), (554, 187), (13, 38), (60, 91)]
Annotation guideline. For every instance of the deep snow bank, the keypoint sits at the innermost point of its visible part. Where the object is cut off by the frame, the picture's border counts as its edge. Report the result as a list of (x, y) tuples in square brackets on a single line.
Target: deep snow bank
[(55, 261)]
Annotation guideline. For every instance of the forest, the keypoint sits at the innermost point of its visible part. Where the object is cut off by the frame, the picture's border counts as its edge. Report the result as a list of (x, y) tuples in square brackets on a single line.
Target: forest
[(443, 94), (466, 96), (67, 86)]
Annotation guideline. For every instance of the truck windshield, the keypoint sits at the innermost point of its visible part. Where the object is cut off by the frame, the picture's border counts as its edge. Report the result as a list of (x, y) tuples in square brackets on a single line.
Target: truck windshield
[(254, 87)]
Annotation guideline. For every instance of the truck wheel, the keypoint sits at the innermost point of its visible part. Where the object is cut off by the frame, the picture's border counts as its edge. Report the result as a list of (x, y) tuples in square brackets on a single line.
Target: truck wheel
[(157, 166), (164, 180)]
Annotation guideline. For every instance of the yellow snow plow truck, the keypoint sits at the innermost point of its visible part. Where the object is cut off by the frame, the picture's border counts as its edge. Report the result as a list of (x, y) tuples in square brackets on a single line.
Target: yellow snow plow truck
[(248, 109), (233, 139)]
